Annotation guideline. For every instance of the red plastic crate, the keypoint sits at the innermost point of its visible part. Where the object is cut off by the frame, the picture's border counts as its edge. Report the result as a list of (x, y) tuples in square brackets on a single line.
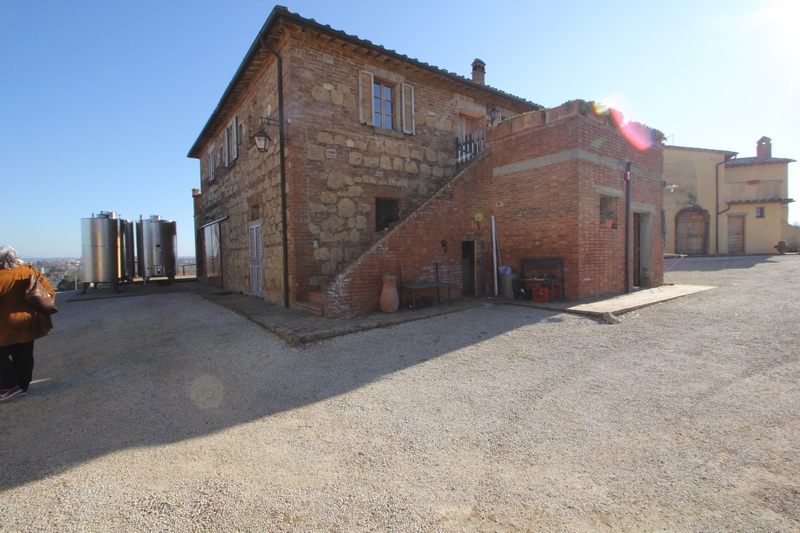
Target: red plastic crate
[(541, 294)]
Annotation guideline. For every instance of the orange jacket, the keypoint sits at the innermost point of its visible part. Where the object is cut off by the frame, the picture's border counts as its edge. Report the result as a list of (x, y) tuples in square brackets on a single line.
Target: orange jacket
[(19, 322)]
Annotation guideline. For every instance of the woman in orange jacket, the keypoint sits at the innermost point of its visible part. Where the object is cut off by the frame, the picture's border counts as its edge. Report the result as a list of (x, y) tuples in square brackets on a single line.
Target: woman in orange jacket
[(20, 324)]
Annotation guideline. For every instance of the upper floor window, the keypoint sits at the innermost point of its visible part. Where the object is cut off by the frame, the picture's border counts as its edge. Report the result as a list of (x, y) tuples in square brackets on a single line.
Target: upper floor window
[(759, 212), (211, 165), (386, 102), (383, 106)]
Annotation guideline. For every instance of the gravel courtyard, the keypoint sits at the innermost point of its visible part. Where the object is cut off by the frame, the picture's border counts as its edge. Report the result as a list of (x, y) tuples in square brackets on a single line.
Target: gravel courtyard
[(169, 413)]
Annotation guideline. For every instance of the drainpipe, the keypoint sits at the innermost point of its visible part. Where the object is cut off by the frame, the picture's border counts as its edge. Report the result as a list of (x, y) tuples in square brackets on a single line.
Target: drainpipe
[(281, 142), (628, 242), (716, 206)]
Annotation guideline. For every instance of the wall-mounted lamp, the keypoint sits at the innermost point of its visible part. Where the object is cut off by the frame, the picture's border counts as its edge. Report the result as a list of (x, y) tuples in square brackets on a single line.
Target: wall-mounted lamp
[(671, 187), (262, 139), (494, 114)]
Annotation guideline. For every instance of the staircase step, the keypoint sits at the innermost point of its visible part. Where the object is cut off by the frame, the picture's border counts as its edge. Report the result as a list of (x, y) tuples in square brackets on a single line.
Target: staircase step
[(311, 307), (316, 297)]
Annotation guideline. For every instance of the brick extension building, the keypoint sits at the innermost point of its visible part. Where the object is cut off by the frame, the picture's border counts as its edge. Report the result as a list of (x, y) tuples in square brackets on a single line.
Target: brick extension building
[(371, 179)]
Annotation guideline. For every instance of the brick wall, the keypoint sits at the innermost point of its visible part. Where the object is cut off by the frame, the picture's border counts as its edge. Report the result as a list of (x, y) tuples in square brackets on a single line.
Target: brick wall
[(341, 166), (335, 165), (413, 248), (542, 178), (550, 169)]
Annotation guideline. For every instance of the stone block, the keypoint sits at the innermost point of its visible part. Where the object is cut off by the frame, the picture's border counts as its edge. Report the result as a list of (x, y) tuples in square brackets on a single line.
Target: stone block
[(315, 152), (335, 180), (346, 207), (319, 93)]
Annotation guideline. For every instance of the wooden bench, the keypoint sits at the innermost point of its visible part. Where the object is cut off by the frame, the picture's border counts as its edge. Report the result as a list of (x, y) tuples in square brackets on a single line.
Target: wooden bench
[(540, 271), (423, 285)]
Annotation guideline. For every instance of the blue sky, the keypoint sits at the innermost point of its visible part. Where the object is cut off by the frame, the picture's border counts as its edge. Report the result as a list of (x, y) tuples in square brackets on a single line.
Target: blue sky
[(100, 101)]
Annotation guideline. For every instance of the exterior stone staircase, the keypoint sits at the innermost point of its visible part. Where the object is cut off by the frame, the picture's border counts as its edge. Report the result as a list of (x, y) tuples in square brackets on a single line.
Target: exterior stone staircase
[(314, 305), (469, 149)]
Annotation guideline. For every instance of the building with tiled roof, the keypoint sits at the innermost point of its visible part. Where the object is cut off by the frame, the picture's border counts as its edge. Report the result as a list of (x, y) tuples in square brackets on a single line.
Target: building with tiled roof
[(330, 160), (717, 203)]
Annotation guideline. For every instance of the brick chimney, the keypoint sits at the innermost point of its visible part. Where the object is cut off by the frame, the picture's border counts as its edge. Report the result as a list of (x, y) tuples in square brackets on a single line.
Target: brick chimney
[(197, 198), (764, 147), (478, 71)]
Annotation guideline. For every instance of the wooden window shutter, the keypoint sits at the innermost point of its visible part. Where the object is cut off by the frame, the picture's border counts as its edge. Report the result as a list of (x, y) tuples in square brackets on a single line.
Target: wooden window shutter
[(408, 110), (226, 157), (211, 165), (235, 137), (365, 97)]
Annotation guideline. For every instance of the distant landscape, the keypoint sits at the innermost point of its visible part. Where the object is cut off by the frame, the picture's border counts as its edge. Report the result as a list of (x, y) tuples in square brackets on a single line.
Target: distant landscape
[(64, 273)]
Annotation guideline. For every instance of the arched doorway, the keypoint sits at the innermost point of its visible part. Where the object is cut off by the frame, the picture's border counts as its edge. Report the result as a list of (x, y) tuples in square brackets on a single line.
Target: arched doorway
[(691, 231)]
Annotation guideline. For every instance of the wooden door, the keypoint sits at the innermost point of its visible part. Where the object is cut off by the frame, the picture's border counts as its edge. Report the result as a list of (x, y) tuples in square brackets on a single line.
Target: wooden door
[(736, 234), (691, 233), (256, 276), (212, 264)]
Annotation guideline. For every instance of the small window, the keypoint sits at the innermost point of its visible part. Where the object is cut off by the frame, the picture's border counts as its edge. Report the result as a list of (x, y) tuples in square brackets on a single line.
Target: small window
[(759, 212), (387, 212), (211, 165), (608, 214)]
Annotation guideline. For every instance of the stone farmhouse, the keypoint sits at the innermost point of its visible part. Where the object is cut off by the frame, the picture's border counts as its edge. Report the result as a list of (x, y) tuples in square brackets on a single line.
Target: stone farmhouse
[(330, 161)]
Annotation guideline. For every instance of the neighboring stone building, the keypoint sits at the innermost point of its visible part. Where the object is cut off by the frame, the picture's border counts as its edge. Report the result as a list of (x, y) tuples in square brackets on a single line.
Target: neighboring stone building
[(372, 179), (717, 204)]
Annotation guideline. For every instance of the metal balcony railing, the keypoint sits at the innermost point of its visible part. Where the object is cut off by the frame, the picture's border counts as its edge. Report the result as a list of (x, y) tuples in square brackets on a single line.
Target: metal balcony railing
[(469, 146)]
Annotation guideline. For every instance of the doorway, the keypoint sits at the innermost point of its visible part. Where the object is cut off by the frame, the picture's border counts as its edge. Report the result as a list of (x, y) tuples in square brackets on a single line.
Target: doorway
[(468, 268), (642, 257), (212, 263), (256, 274), (691, 232), (736, 234)]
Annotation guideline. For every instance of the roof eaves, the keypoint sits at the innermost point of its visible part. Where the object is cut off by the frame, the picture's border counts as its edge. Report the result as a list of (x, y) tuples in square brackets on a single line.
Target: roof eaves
[(761, 201), (283, 12), (369, 44), (752, 161), (727, 153), (272, 19)]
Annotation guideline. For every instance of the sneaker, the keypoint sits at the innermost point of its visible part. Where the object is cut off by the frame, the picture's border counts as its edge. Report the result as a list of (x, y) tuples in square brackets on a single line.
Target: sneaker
[(7, 394)]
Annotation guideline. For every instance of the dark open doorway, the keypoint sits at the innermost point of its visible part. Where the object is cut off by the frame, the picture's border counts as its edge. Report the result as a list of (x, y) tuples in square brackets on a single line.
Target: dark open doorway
[(468, 268), (637, 252)]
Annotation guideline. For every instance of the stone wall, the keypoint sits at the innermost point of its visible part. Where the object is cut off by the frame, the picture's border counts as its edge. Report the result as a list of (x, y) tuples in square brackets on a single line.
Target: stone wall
[(431, 236), (542, 179), (340, 166), (336, 166), (247, 191)]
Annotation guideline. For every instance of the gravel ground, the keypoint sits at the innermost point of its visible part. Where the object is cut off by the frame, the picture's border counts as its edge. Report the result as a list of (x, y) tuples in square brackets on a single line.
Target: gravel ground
[(168, 413)]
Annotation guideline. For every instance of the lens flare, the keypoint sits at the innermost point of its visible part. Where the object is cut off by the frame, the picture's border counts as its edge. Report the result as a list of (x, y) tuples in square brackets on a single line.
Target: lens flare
[(640, 136)]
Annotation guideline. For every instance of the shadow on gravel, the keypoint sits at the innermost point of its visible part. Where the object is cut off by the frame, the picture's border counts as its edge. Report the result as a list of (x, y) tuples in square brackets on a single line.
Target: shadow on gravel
[(121, 374), (686, 264)]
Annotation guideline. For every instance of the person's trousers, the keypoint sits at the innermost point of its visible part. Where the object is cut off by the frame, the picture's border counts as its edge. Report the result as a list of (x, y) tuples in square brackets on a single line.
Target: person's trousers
[(16, 365)]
